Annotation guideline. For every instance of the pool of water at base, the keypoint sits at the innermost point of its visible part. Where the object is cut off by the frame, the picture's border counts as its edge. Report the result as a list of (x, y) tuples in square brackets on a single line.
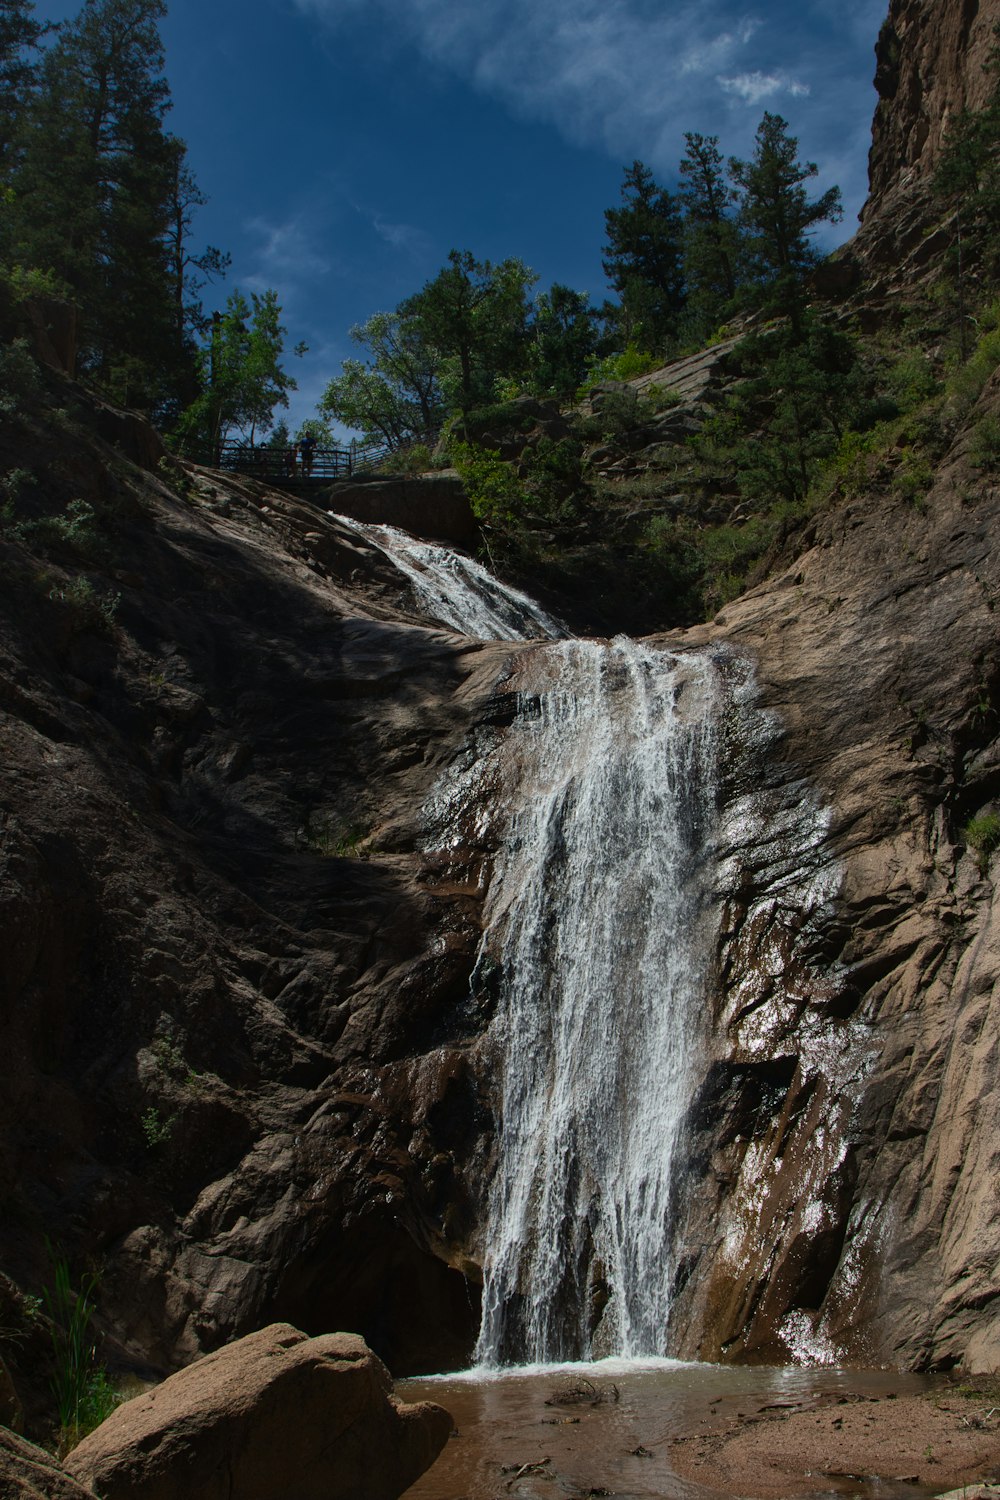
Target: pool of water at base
[(537, 1433)]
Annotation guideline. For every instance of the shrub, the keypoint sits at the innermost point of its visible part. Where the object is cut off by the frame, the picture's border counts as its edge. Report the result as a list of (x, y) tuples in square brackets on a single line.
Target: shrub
[(983, 835), (89, 608), (914, 477), (415, 459), (155, 1129), (19, 376), (984, 449), (492, 486), (628, 365)]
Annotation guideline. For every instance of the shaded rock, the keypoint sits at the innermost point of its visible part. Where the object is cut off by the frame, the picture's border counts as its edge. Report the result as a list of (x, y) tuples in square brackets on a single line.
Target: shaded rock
[(275, 1414), (432, 506), (29, 1473), (11, 1413)]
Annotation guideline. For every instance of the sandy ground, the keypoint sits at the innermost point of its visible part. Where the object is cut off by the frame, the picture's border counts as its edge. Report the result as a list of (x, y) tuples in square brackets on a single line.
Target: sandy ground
[(939, 1442)]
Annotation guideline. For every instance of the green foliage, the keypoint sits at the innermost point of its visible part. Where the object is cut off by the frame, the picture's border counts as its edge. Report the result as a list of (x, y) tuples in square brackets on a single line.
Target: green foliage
[(473, 319), (984, 449), (394, 397), (562, 343), (643, 258), (967, 179), (914, 476), (101, 201), (334, 839), (416, 459), (628, 365), (777, 215), (19, 377), (243, 380), (82, 1391), (155, 1129), (89, 609), (712, 237), (983, 835), (967, 380), (909, 380), (788, 415), (494, 490)]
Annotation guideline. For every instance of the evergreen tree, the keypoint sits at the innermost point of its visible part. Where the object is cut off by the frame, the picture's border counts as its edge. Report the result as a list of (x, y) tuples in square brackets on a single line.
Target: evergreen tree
[(968, 180), (20, 34), (643, 260), (563, 339), (777, 214), (711, 234), (189, 272), (800, 390), (102, 199)]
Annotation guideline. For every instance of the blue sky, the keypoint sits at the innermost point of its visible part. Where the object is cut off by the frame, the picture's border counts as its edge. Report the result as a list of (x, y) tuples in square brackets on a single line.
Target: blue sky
[(347, 145)]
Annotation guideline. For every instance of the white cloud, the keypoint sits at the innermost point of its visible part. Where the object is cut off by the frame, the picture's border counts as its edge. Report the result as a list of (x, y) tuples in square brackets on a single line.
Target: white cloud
[(605, 72), (753, 87), (631, 76), (287, 249)]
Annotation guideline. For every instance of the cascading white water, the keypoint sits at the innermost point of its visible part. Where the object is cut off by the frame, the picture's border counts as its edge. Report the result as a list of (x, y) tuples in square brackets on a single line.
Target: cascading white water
[(454, 590), (592, 938), (593, 918)]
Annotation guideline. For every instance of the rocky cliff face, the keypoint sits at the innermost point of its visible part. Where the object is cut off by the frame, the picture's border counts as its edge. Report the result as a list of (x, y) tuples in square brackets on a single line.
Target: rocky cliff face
[(930, 66), (227, 966), (844, 1149)]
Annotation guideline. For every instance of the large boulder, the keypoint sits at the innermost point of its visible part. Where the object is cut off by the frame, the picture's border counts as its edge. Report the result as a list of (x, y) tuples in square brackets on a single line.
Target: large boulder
[(29, 1473), (275, 1414), (433, 506)]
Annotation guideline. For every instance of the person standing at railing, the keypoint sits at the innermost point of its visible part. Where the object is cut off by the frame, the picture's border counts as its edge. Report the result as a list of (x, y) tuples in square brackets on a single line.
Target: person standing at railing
[(307, 448), (291, 460)]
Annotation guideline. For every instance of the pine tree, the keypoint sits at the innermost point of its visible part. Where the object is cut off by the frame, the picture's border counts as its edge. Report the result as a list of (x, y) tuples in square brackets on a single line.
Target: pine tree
[(563, 339), (777, 214), (643, 260), (20, 34), (102, 199), (711, 234)]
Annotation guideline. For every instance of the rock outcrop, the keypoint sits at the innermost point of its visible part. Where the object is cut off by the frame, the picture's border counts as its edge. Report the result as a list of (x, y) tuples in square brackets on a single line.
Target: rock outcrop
[(29, 1473), (845, 1152), (428, 505), (930, 66), (274, 1414)]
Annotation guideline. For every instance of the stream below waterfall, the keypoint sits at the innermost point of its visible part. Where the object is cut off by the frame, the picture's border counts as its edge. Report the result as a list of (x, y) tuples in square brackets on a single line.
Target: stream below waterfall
[(519, 1434)]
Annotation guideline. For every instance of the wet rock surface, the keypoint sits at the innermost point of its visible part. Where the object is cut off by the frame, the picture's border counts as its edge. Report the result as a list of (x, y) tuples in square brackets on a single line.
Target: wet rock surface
[(843, 1159)]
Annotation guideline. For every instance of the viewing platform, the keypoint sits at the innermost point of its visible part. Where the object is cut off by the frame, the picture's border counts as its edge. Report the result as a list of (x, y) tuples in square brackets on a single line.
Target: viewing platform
[(274, 466)]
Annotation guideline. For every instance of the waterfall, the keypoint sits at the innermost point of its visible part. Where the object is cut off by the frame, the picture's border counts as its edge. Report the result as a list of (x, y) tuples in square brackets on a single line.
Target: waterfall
[(454, 590), (601, 794), (593, 919)]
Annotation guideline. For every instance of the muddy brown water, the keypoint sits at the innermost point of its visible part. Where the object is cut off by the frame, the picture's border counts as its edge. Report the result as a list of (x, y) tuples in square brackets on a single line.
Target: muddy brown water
[(606, 1429)]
